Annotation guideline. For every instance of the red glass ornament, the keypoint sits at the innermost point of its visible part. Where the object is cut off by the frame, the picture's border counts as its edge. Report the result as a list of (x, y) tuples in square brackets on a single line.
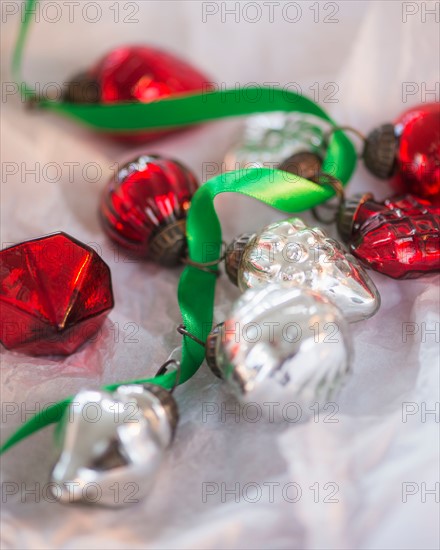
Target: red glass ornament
[(408, 152), (55, 293), (418, 157), (144, 208), (399, 237), (136, 73)]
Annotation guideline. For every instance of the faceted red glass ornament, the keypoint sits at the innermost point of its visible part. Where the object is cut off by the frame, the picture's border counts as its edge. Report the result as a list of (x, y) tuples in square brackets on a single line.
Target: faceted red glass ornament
[(399, 237), (144, 208), (136, 73), (55, 293), (408, 151)]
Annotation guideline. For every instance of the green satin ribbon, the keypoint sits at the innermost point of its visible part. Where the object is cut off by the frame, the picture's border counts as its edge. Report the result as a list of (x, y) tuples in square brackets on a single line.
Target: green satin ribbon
[(170, 112), (278, 189)]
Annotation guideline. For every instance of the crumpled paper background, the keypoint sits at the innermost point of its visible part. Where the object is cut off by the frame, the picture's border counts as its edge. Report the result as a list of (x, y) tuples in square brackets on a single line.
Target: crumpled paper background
[(363, 481)]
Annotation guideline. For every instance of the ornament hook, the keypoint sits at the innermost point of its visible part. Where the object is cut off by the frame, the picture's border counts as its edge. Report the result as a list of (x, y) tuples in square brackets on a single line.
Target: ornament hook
[(354, 131), (205, 266), (336, 185), (164, 369), (181, 329)]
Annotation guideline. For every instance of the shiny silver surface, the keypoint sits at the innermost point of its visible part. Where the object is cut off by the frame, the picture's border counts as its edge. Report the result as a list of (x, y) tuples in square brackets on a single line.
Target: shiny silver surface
[(112, 445), (269, 139), (291, 252), (284, 345)]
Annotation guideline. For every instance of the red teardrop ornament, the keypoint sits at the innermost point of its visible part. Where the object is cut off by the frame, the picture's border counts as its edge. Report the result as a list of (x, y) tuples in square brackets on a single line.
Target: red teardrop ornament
[(55, 293), (399, 237), (144, 208), (136, 73)]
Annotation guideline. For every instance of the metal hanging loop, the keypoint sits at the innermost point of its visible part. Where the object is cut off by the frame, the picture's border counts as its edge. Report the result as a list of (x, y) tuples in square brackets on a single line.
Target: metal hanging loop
[(205, 266), (350, 129), (164, 369), (330, 181), (181, 329)]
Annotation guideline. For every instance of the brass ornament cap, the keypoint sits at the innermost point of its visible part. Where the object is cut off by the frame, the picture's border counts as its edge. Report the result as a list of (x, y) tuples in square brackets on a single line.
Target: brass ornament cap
[(168, 245), (380, 151), (82, 89), (212, 345), (304, 164), (347, 214), (234, 254)]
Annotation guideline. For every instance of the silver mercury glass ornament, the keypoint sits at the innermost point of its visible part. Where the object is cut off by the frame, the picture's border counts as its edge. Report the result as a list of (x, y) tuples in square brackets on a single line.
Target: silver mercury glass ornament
[(282, 344), (112, 444), (293, 253), (270, 139)]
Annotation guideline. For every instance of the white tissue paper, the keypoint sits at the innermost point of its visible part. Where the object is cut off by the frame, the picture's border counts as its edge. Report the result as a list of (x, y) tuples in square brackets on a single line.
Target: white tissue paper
[(361, 474)]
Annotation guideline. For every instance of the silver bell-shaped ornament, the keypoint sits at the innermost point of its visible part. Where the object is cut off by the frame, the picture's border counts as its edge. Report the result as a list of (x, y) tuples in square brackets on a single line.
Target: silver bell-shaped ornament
[(282, 344), (112, 444), (270, 139), (293, 253)]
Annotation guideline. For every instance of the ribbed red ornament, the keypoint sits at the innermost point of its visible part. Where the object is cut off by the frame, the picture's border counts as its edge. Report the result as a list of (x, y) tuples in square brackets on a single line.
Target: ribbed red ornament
[(136, 73), (399, 237), (144, 208), (55, 293)]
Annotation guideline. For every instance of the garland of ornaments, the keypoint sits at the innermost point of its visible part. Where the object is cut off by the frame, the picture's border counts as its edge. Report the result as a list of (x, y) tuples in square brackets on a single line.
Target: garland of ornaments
[(292, 276)]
